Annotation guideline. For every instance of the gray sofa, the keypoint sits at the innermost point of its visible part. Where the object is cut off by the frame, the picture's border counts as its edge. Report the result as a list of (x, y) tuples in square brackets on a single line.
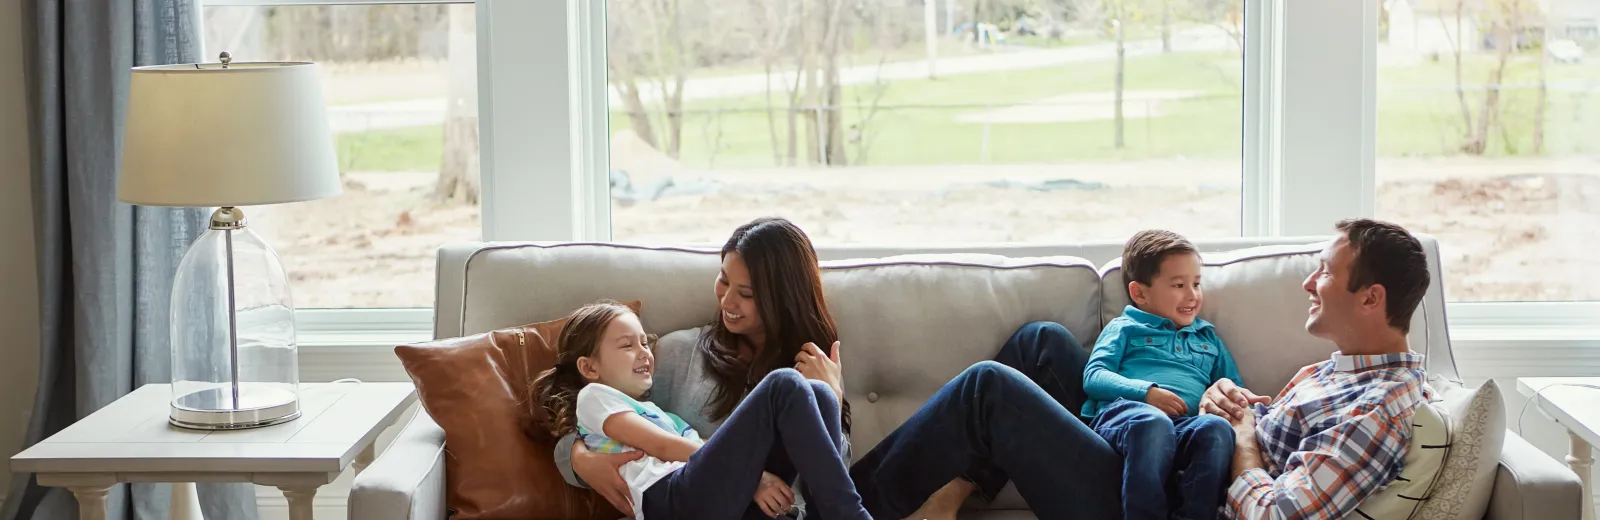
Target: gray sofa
[(910, 319)]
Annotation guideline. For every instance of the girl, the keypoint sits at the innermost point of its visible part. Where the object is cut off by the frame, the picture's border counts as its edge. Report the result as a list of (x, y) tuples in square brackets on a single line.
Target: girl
[(604, 369)]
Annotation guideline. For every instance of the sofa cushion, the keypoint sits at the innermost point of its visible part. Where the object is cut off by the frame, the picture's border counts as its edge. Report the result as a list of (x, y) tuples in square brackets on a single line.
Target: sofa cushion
[(498, 464), (511, 284), (909, 324)]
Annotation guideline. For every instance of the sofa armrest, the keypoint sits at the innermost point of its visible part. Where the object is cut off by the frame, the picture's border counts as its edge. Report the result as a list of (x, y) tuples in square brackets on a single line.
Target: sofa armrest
[(406, 481), (1530, 485)]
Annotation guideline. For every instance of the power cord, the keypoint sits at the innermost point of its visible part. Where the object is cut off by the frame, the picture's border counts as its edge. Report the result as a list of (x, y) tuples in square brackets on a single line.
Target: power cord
[(331, 384), (1536, 393)]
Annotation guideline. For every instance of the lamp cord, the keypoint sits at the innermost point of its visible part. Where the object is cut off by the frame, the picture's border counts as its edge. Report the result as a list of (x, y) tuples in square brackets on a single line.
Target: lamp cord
[(1526, 404)]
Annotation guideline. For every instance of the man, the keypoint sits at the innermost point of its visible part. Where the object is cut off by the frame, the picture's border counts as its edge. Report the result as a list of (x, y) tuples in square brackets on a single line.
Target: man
[(1338, 432)]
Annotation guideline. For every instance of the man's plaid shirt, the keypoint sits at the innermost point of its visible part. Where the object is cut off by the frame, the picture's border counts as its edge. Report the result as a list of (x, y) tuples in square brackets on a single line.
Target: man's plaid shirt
[(1334, 436)]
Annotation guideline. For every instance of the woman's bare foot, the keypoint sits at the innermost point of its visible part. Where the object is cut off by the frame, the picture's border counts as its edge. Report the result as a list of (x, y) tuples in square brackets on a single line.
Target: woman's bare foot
[(945, 502)]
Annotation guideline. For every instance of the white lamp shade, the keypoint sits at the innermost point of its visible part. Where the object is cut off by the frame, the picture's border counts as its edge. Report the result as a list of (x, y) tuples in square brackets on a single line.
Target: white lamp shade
[(201, 135)]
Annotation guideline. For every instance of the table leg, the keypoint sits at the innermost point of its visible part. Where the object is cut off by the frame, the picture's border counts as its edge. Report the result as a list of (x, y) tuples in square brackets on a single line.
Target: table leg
[(1580, 457), (185, 502), (300, 501), (91, 501), (366, 457)]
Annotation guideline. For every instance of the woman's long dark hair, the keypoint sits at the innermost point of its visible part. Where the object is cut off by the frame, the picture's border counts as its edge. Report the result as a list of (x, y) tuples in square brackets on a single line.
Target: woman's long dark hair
[(787, 281)]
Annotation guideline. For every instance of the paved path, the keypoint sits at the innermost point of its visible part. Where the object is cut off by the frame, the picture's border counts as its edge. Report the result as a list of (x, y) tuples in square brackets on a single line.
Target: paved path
[(421, 112)]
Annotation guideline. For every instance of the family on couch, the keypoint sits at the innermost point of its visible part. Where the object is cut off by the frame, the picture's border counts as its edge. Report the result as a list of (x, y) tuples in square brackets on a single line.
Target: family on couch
[(1158, 402)]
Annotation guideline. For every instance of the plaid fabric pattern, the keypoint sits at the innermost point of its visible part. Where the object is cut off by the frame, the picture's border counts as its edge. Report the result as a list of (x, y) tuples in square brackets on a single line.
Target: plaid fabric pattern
[(1334, 436)]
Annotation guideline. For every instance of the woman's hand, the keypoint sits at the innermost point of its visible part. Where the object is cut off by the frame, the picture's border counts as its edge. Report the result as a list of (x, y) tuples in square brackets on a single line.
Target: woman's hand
[(815, 365), (603, 473), (773, 495)]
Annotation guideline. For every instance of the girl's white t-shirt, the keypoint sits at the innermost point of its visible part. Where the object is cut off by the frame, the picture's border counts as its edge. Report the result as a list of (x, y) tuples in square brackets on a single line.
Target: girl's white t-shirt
[(596, 403)]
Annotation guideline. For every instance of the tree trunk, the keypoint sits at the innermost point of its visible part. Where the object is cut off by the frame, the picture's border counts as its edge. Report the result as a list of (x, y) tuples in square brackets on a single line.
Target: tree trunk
[(833, 137), (1461, 92), (772, 118), (638, 117), (458, 173), (1543, 95), (1166, 26), (1506, 37), (1117, 89)]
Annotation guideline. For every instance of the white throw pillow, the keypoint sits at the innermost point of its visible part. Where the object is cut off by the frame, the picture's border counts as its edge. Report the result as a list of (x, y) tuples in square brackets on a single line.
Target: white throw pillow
[(1478, 421), (1425, 458)]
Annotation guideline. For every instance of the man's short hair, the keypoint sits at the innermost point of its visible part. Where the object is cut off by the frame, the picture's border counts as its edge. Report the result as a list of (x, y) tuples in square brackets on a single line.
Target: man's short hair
[(1386, 254)]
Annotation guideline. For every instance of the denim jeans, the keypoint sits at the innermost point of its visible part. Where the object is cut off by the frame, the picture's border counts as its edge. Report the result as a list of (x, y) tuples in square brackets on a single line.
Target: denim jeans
[(719, 482), (995, 423), (1173, 467)]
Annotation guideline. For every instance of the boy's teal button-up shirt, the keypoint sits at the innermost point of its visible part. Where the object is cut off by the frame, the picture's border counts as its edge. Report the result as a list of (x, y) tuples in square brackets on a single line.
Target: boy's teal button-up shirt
[(1138, 350)]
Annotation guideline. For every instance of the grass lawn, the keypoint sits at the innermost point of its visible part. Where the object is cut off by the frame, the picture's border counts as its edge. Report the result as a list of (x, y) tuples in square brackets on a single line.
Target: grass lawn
[(916, 122), (414, 149)]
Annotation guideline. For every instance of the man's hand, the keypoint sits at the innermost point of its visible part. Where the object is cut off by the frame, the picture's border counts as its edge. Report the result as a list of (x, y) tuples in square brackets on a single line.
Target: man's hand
[(603, 473), (1229, 400), (1246, 451), (773, 495), (1166, 401)]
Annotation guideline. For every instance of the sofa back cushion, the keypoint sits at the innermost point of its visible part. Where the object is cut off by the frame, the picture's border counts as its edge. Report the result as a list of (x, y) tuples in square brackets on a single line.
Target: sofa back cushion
[(909, 324), (510, 284)]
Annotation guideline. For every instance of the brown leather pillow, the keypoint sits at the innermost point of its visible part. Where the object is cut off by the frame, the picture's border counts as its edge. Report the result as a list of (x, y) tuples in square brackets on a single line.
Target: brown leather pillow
[(498, 464)]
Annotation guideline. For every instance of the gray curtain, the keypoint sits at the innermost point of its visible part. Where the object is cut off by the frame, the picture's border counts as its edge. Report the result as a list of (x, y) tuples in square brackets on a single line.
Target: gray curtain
[(105, 268)]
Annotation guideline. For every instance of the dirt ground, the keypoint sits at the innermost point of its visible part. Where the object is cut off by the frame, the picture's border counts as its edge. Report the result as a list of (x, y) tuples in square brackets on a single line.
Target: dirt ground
[(1505, 237)]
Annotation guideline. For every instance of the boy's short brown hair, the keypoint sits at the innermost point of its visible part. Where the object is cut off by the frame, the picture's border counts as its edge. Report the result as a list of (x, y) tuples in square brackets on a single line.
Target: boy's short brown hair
[(1144, 252)]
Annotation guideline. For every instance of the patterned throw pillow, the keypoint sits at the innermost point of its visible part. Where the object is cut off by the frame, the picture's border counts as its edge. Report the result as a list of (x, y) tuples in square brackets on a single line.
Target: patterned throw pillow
[(1478, 421), (1431, 438)]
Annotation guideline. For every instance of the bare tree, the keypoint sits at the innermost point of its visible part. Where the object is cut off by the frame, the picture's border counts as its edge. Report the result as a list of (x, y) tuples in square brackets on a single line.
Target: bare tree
[(654, 47), (1507, 28), (777, 21), (1117, 90), (1456, 50), (1544, 92), (1225, 15), (1166, 26), (458, 173), (1112, 14)]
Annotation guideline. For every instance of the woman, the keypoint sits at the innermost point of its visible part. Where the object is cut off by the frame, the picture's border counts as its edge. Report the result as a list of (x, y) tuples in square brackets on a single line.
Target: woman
[(772, 315)]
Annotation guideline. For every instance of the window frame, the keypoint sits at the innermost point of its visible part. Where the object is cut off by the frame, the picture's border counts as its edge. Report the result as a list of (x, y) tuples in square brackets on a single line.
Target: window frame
[(544, 143)]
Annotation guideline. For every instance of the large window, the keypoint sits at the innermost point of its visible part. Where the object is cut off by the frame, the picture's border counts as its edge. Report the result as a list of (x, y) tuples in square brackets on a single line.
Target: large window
[(401, 85), (925, 121), (937, 122), (1487, 125)]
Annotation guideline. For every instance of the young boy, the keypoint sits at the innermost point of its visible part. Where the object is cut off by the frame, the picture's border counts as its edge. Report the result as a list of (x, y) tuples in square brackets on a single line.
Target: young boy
[(1144, 381)]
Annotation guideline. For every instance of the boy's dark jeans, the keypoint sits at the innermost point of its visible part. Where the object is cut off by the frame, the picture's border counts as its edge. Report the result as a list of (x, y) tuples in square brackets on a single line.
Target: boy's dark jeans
[(785, 413), (1173, 467), (1015, 419)]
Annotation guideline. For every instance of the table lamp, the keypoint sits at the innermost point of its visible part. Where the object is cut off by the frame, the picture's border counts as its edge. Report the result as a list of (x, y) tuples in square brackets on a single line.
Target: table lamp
[(226, 135)]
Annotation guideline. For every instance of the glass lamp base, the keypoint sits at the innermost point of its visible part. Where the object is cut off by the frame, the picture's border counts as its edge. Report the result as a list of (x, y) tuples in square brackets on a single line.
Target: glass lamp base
[(211, 408)]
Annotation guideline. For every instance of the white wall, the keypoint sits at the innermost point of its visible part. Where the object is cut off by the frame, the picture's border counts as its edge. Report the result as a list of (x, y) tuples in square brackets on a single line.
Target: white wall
[(19, 307)]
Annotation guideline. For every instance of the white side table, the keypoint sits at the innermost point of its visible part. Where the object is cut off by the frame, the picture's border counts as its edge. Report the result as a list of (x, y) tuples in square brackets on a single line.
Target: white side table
[(130, 441), (1578, 410)]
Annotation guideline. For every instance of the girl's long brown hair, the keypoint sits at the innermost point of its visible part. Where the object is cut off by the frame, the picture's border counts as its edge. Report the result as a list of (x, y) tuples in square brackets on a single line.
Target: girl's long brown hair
[(787, 281), (556, 389)]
